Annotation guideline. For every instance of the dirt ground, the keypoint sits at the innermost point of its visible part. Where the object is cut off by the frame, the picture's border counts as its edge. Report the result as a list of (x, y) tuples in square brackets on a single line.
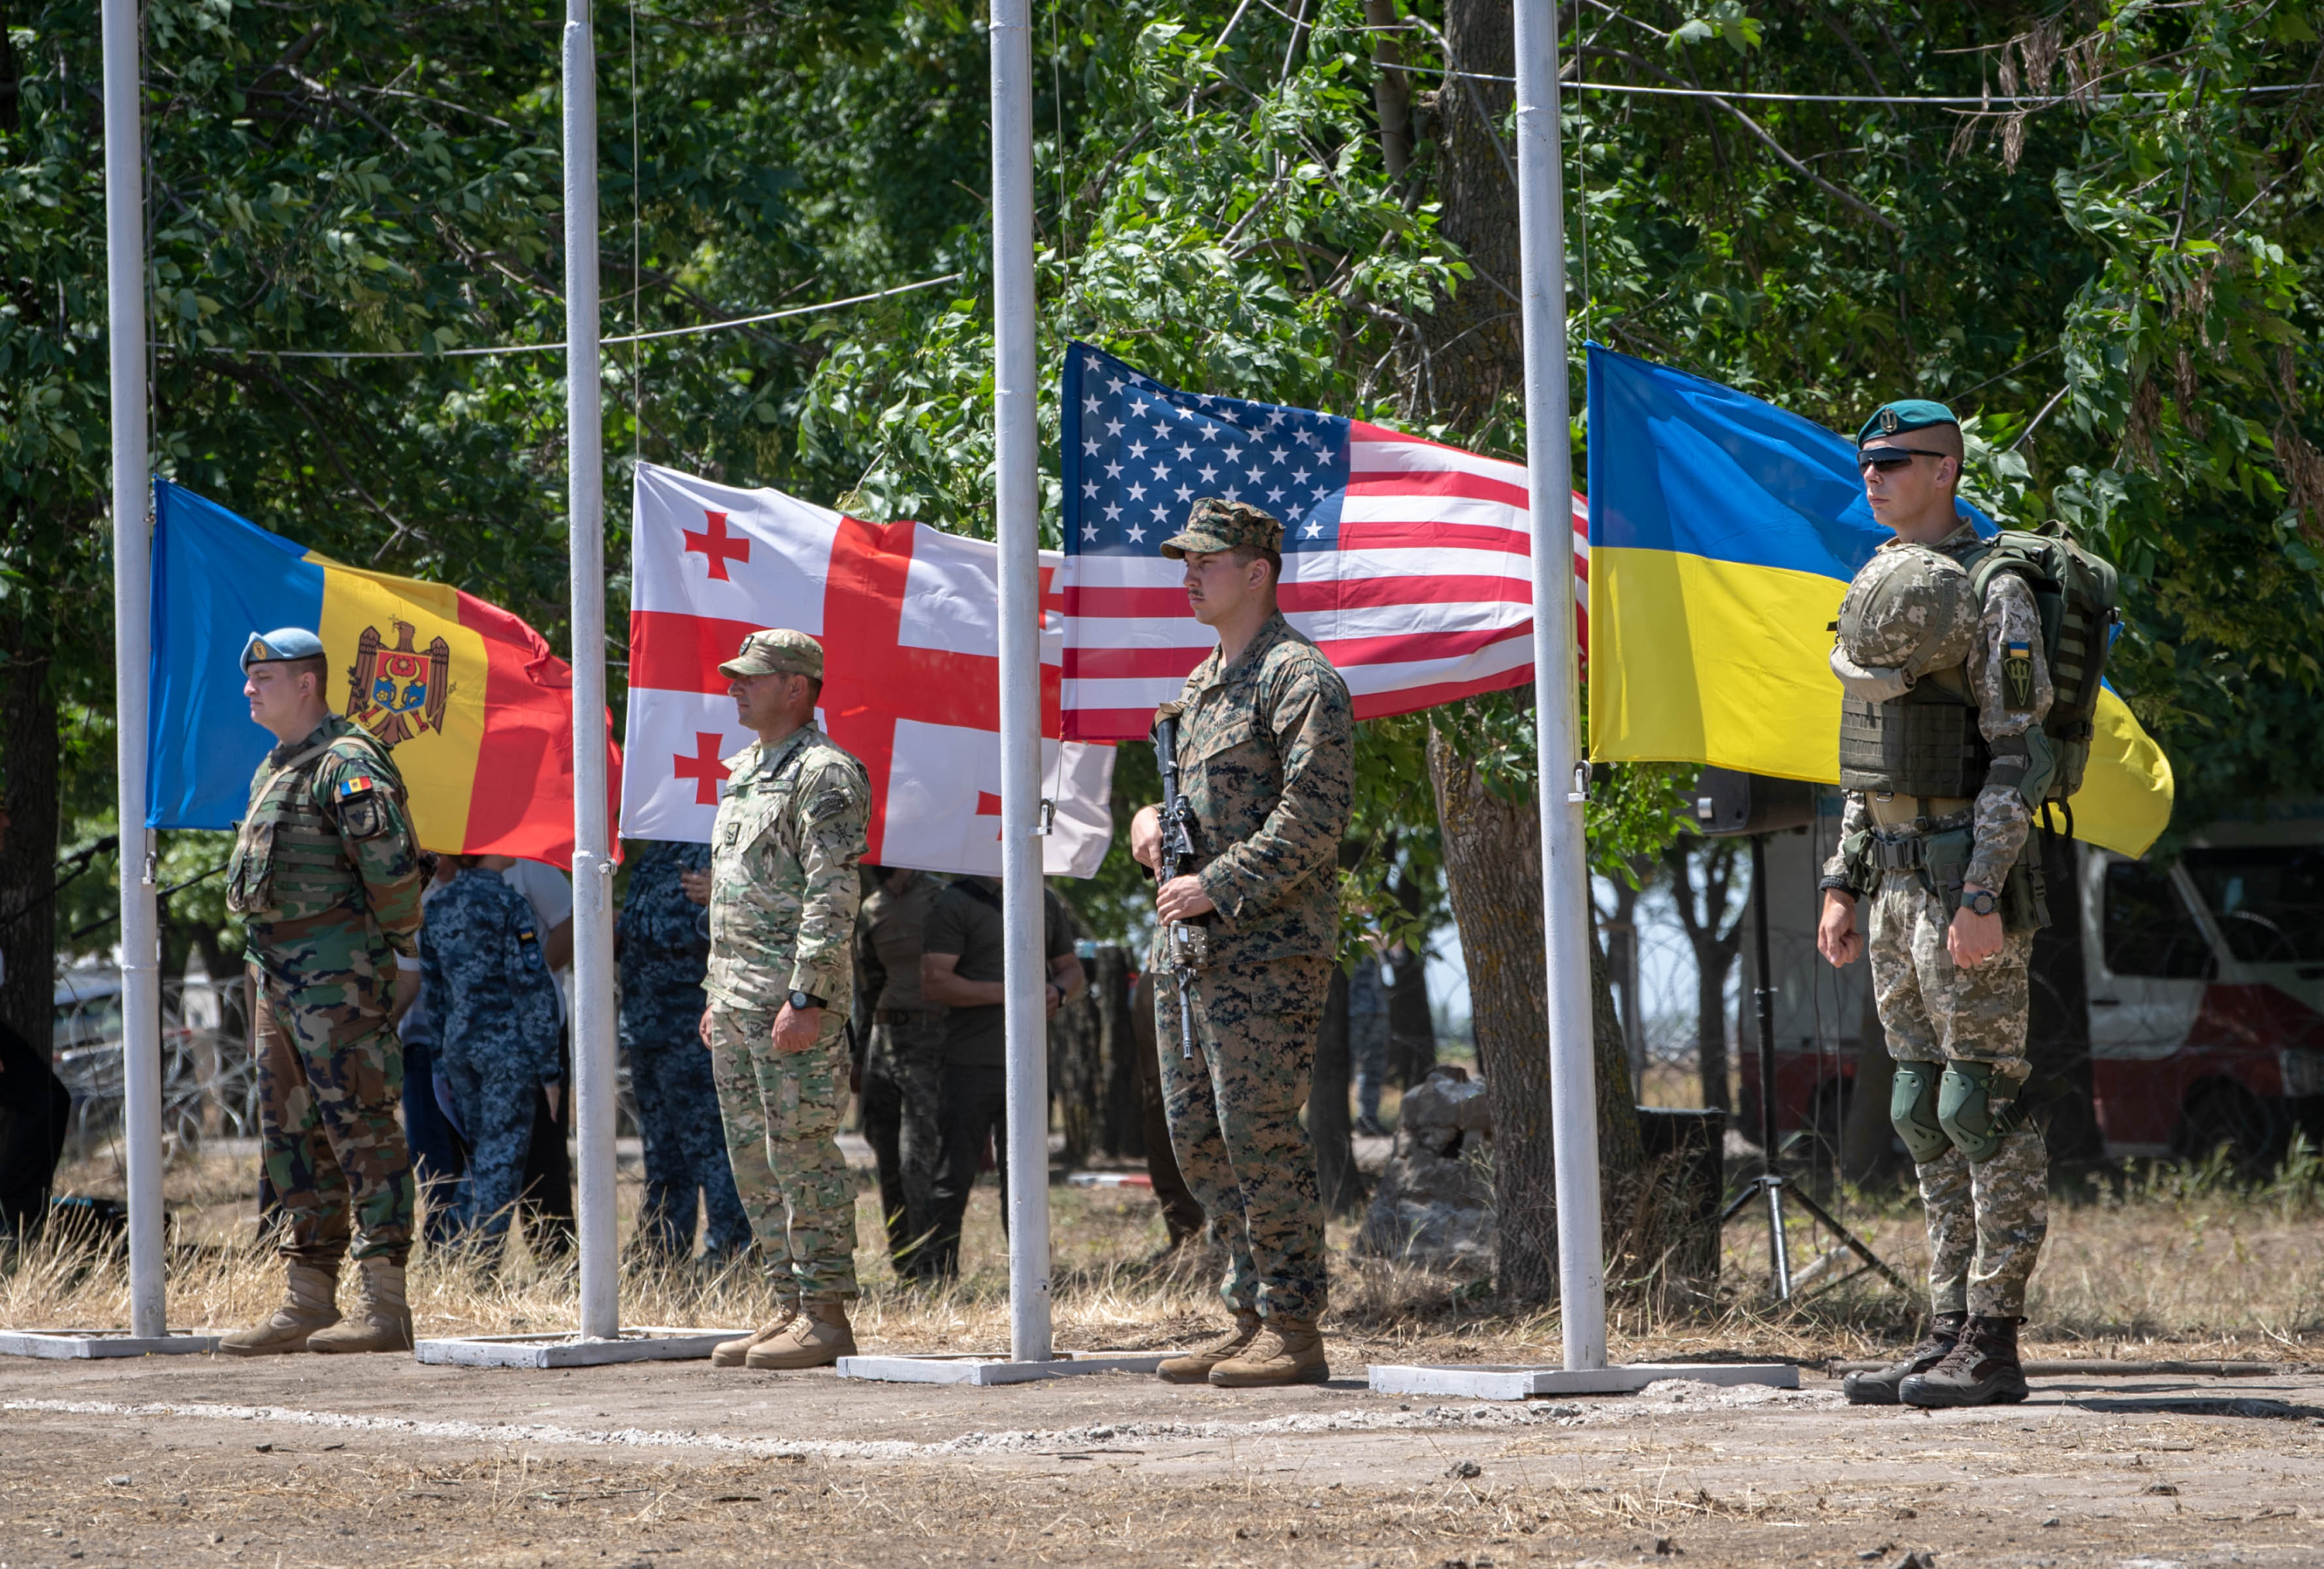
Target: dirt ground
[(377, 1461)]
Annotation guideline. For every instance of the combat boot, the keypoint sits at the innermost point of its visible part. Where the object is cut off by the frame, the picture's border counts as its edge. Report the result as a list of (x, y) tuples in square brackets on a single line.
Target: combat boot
[(731, 1353), (1981, 1370), (818, 1337), (1195, 1367), (309, 1303), (1879, 1388), (1289, 1350), (381, 1322)]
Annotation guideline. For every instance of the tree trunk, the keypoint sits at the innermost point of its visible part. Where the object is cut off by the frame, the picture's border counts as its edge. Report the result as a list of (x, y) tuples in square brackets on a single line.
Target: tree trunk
[(1411, 1017), (1392, 93), (1716, 944), (1492, 856), (28, 856), (2058, 1031), (1327, 1106), (1473, 353)]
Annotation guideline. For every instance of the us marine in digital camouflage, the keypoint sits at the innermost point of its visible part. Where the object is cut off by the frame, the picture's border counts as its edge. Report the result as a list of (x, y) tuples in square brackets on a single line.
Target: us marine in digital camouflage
[(1931, 671), (494, 1007), (783, 896), (663, 941), (1265, 752), (326, 878)]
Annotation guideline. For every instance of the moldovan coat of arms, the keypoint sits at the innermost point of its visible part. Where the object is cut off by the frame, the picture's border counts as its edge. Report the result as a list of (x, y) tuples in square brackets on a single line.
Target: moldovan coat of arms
[(396, 693)]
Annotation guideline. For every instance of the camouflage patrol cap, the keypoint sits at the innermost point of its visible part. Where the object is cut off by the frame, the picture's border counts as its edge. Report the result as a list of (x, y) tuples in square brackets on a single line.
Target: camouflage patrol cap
[(1215, 524), (284, 643), (1905, 414), (1910, 609), (777, 651)]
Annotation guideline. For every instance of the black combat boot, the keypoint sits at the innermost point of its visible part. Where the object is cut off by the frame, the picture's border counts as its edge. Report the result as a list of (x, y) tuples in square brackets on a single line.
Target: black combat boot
[(1879, 1389), (1982, 1370)]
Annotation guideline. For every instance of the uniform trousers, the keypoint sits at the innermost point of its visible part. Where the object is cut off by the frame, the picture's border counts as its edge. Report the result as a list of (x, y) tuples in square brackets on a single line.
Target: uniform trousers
[(500, 1101), (1235, 1128), (781, 1112), (435, 1159), (35, 1111), (975, 1109), (1986, 1219), (330, 1072), (902, 1069), (685, 1149)]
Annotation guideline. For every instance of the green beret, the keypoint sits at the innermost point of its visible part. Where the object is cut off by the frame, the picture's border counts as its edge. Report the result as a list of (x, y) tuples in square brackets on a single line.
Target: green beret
[(284, 643), (1222, 525), (1905, 414), (777, 651)]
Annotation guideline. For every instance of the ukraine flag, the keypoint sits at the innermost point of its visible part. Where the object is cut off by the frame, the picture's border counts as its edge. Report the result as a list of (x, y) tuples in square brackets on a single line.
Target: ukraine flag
[(1723, 532), (477, 709)]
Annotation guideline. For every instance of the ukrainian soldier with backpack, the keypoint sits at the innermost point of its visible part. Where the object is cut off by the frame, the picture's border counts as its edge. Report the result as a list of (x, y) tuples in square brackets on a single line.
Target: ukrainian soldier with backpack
[(326, 873), (1970, 669)]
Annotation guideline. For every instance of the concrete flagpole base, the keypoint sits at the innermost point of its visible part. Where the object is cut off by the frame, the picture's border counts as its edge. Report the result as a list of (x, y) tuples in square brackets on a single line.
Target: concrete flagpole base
[(1491, 1381), (89, 1345), (560, 1349), (983, 1370)]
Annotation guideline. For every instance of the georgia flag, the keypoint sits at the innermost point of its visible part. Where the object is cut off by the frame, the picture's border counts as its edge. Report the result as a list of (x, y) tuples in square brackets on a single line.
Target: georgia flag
[(909, 621)]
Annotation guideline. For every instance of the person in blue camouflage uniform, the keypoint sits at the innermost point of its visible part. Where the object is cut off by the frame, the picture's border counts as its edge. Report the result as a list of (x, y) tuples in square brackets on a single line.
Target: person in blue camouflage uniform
[(663, 941), (494, 1003), (1265, 743)]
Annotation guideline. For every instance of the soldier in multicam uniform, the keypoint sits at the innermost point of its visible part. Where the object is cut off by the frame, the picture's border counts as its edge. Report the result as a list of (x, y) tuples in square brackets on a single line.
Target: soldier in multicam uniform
[(1954, 905), (494, 1007), (903, 1057), (663, 942), (1266, 746), (325, 875), (783, 897)]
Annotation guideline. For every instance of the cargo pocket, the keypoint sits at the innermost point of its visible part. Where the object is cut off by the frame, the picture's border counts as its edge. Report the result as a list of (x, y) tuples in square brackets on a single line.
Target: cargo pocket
[(250, 883)]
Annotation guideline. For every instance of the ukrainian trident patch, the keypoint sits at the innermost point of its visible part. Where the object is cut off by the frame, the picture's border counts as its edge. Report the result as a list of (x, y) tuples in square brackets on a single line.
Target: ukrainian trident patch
[(2017, 674)]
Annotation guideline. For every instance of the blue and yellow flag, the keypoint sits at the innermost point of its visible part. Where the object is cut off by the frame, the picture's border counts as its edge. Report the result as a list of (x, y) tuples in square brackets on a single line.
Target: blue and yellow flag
[(1723, 532)]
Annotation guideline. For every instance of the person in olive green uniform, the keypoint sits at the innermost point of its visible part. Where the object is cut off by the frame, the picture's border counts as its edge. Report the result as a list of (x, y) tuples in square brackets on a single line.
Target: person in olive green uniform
[(783, 896), (1265, 743), (327, 877)]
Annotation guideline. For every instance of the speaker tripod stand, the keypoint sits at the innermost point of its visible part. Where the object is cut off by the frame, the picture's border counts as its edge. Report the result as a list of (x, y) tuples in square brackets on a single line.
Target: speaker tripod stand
[(1770, 1185)]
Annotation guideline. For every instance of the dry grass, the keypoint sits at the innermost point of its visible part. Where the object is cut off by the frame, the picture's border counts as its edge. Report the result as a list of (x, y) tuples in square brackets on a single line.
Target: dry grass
[(2175, 1261)]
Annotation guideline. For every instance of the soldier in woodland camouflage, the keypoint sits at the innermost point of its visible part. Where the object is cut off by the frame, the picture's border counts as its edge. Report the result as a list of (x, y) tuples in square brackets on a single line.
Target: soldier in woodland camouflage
[(493, 1003), (1266, 746), (326, 874), (663, 942), (783, 897), (1954, 902)]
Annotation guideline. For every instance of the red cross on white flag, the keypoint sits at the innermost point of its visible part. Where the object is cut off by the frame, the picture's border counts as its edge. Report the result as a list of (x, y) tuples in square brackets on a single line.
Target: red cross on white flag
[(909, 621)]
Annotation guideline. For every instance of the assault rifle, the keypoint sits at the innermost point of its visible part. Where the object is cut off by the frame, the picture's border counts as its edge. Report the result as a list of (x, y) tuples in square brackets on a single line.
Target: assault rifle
[(1177, 859)]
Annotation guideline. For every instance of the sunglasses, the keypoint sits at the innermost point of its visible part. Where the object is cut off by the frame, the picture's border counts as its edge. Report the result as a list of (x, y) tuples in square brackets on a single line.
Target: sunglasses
[(1885, 458)]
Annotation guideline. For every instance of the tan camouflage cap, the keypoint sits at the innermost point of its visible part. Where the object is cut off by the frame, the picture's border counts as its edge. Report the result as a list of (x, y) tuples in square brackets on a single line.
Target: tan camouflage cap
[(1222, 525), (777, 651)]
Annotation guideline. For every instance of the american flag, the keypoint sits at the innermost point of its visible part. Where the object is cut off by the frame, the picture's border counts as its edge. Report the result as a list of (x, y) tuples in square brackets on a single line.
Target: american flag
[(1405, 560)]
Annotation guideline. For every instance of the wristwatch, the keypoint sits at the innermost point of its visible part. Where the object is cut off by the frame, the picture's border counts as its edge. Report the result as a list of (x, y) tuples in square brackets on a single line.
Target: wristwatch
[(1984, 901), (803, 1000)]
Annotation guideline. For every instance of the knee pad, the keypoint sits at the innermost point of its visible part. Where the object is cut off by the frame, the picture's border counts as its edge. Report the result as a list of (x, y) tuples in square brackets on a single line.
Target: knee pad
[(1912, 1112), (1972, 1117)]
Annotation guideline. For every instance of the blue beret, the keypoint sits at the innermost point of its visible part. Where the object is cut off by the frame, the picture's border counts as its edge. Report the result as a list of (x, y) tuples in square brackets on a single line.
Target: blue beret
[(284, 643), (1905, 414)]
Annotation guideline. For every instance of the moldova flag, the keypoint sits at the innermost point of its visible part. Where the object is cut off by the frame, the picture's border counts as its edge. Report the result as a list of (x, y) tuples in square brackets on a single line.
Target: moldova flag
[(477, 710), (1723, 532)]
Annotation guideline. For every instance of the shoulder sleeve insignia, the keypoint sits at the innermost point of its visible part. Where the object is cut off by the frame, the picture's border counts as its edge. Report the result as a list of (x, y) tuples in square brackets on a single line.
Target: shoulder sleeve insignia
[(2017, 674), (357, 784)]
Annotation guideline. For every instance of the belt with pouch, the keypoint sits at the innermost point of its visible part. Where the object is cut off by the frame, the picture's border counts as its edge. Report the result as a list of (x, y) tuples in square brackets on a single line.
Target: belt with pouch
[(1907, 827)]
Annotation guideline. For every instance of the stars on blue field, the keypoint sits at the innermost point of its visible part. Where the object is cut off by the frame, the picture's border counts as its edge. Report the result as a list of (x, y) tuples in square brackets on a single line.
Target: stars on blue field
[(1138, 455)]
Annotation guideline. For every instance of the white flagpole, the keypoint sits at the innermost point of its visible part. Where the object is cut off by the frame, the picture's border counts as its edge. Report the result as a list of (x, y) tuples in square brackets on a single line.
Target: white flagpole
[(593, 864), (133, 567), (1565, 856), (1017, 498)]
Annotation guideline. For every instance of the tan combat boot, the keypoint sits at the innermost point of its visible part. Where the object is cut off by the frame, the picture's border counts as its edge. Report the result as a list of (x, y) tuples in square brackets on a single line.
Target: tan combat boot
[(818, 1337), (1195, 1367), (309, 1303), (1287, 1351), (731, 1353), (381, 1322)]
